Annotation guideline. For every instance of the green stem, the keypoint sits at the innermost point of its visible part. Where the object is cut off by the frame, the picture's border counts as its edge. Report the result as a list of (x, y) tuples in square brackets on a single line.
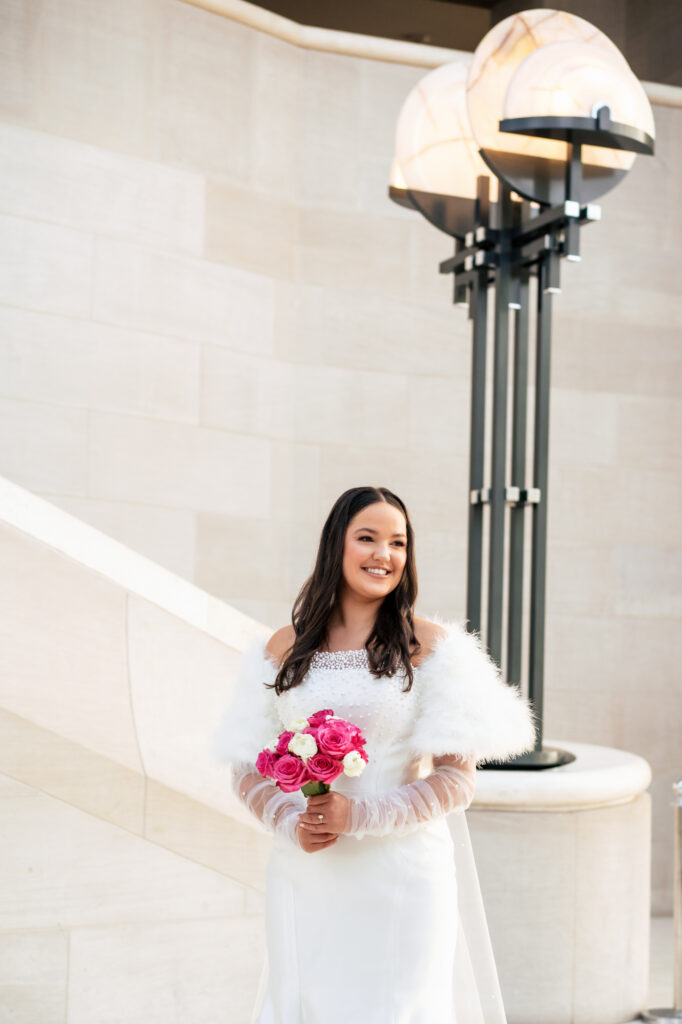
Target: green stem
[(315, 788)]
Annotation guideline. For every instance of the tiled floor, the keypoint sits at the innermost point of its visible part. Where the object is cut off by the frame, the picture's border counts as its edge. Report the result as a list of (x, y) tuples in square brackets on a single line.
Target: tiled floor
[(660, 964)]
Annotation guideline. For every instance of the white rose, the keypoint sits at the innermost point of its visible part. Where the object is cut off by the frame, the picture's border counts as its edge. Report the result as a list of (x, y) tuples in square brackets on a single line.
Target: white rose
[(298, 725), (303, 744), (353, 764), (272, 745)]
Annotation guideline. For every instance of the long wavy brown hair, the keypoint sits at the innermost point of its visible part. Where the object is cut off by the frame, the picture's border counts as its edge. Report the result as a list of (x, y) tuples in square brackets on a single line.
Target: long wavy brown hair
[(393, 639)]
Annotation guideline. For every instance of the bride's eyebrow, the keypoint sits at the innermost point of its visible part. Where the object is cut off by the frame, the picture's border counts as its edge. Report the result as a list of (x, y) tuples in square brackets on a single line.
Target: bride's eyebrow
[(368, 529)]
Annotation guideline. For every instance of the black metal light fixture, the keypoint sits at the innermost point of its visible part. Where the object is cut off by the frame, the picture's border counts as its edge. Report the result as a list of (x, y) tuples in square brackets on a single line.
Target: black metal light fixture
[(507, 156)]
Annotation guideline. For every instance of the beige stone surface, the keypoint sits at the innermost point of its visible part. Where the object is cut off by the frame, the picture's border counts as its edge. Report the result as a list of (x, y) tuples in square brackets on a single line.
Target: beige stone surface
[(33, 520), (20, 64), (34, 976), (61, 361), (113, 52), (603, 968), (577, 947), (224, 570), (248, 394), (334, 406), (223, 842), (71, 772), (188, 972), (74, 681), (165, 535), (47, 267), (50, 177), (355, 327), (647, 579), (179, 681), (352, 249), (44, 447), (65, 868), (277, 85), (154, 290), (254, 230), (295, 480), (129, 461), (204, 82), (582, 648)]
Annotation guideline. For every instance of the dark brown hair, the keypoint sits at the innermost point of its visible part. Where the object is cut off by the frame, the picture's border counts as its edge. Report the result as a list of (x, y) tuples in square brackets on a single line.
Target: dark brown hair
[(390, 643)]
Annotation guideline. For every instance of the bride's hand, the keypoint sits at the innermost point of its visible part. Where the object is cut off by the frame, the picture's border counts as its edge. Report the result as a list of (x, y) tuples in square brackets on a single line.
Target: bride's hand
[(335, 810), (311, 841)]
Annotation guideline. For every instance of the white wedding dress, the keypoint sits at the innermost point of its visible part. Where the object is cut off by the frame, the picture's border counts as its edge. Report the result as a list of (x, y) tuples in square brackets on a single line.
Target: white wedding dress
[(387, 925)]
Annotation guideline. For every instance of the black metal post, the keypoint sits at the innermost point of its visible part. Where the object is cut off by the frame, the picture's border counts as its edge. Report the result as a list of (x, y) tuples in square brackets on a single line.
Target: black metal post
[(476, 451), (518, 479), (538, 572), (478, 310), (499, 429)]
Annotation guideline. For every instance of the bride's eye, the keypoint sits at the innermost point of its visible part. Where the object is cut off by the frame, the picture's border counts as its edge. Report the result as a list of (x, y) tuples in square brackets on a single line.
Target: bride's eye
[(401, 543)]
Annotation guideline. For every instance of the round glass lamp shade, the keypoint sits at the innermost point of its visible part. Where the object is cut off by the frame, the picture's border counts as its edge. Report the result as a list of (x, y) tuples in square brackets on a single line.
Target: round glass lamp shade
[(435, 150), (575, 80), (534, 167)]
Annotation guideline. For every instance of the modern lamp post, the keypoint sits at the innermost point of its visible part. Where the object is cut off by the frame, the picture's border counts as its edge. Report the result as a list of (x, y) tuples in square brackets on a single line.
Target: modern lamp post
[(507, 156)]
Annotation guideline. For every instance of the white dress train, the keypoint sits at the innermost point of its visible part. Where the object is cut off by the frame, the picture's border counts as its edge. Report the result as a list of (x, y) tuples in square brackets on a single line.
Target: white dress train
[(378, 928)]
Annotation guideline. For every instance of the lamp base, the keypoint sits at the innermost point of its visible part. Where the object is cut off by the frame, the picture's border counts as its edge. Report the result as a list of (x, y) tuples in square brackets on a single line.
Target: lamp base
[(548, 757), (660, 1015)]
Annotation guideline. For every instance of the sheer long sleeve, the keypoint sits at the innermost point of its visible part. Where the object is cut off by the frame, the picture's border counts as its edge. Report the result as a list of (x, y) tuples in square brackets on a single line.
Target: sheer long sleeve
[(247, 726), (450, 787), (276, 810)]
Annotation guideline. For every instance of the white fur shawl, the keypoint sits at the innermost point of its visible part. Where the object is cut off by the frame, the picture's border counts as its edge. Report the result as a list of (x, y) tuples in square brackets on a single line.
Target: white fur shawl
[(464, 706), (251, 721)]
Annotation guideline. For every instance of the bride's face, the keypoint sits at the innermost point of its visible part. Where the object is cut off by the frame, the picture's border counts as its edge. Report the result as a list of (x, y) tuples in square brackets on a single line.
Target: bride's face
[(376, 538)]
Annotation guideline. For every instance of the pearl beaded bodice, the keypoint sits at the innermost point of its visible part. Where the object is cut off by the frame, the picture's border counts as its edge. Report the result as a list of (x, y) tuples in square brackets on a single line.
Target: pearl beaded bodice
[(341, 659), (383, 710)]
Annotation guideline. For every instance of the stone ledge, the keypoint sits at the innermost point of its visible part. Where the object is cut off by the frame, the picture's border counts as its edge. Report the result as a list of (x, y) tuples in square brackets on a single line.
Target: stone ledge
[(352, 44), (599, 777), (92, 549)]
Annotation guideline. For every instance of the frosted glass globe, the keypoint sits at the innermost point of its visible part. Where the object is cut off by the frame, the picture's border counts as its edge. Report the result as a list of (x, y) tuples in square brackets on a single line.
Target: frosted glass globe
[(535, 166), (572, 79), (435, 150)]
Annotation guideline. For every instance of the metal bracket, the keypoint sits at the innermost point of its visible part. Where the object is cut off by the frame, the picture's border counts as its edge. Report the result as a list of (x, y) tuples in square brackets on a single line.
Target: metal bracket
[(512, 496)]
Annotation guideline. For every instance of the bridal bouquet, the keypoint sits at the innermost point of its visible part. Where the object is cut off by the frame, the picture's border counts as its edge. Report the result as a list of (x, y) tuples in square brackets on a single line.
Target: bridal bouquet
[(313, 752)]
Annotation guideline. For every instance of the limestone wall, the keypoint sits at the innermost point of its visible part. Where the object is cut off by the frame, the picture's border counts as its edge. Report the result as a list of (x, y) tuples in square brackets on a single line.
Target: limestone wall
[(212, 321)]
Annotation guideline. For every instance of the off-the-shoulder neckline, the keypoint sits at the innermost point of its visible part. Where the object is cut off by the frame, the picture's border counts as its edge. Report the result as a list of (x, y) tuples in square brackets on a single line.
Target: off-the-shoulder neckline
[(416, 668)]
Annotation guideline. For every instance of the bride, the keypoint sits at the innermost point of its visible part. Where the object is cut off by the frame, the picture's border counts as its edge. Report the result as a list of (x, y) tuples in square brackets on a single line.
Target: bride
[(373, 910)]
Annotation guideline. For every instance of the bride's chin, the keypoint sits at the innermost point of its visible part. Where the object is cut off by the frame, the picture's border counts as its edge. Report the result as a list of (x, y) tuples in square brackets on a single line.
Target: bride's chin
[(375, 588)]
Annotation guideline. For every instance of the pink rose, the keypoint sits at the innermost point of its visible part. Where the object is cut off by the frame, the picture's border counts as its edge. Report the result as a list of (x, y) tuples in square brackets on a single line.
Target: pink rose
[(324, 768), (336, 738), (290, 773), (319, 717), (265, 763), (283, 743), (357, 739)]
